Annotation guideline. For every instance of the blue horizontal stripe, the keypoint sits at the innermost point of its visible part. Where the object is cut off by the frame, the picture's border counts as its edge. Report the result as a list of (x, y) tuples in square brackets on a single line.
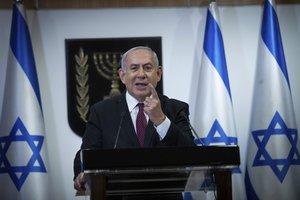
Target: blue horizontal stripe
[(270, 33), (20, 44), (214, 48)]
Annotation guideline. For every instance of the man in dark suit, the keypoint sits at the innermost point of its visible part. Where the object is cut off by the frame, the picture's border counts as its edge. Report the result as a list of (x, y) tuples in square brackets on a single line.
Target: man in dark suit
[(164, 118)]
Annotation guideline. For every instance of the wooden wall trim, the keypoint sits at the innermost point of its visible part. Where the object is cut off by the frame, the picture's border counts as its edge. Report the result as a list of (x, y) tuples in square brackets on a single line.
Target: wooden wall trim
[(85, 4)]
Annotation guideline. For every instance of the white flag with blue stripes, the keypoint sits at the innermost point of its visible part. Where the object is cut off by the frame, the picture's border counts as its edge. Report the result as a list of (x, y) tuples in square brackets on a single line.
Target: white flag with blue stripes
[(23, 169), (214, 117), (273, 160)]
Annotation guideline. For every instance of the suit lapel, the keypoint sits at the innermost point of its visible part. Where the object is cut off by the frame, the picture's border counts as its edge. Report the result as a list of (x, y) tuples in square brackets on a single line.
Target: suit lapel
[(150, 134)]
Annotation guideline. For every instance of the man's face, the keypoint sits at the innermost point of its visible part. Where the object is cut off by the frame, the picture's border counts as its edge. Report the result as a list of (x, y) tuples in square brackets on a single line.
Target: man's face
[(140, 70)]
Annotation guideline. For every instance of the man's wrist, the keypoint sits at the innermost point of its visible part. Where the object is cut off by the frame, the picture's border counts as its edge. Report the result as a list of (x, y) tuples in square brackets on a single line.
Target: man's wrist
[(162, 119)]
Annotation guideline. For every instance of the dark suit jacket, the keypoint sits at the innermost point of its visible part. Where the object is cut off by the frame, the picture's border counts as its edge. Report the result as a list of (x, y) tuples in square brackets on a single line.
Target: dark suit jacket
[(104, 120)]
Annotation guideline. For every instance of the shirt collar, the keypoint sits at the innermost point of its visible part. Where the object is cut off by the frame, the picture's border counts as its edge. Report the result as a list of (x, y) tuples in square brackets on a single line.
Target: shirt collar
[(131, 101)]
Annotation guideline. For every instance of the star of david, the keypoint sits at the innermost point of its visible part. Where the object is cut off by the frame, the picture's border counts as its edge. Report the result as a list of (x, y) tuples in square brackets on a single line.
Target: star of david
[(280, 166), (217, 135), (34, 164)]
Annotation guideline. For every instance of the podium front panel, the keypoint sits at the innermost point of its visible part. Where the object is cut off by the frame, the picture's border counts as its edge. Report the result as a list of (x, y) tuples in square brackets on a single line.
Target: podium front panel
[(158, 172)]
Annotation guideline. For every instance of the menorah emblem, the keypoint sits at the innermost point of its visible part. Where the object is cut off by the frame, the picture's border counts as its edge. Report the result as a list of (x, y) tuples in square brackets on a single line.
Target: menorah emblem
[(107, 65)]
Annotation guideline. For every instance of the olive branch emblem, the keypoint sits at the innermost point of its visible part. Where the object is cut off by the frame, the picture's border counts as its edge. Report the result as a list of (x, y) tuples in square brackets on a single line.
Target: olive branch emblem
[(82, 87)]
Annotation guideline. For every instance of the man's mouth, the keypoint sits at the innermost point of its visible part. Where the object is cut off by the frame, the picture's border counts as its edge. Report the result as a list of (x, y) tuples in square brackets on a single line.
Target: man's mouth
[(141, 84)]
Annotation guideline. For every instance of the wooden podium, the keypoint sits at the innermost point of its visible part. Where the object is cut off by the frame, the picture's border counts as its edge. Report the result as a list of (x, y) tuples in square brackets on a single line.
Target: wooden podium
[(157, 173)]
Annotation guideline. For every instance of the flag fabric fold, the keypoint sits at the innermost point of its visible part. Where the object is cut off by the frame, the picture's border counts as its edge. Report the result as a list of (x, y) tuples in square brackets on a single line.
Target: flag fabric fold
[(273, 160), (214, 116), (23, 164)]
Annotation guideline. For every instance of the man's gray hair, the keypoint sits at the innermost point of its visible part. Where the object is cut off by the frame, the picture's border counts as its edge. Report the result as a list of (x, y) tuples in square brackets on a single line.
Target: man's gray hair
[(124, 56)]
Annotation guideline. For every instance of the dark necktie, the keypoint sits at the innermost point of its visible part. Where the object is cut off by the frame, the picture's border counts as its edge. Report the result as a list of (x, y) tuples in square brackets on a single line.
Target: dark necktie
[(141, 124)]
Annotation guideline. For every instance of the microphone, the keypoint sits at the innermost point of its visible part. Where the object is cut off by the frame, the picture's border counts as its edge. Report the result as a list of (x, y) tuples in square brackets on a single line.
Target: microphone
[(182, 113), (119, 129)]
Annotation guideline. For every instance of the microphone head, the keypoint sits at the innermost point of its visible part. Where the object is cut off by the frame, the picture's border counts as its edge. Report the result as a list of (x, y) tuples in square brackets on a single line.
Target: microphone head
[(183, 114)]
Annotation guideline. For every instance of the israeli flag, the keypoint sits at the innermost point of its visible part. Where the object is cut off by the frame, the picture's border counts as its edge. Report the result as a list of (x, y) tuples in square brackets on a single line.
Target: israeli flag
[(273, 160), (23, 169), (214, 116)]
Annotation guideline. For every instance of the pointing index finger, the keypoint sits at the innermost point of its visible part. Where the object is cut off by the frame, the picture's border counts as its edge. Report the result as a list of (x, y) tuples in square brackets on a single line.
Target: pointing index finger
[(153, 91)]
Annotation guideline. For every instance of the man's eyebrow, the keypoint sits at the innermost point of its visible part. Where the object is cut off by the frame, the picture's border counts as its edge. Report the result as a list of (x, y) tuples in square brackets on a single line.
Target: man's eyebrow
[(133, 65), (149, 63)]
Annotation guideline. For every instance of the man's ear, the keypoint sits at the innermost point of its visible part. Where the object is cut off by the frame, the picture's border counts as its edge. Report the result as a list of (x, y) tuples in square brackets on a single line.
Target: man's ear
[(122, 75), (159, 73)]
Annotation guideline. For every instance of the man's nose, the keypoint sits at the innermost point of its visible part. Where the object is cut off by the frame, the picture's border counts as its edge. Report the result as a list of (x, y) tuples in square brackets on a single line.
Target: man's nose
[(141, 72)]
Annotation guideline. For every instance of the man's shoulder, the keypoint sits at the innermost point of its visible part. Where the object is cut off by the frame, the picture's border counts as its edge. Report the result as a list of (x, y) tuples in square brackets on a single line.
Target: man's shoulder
[(112, 101), (171, 101)]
